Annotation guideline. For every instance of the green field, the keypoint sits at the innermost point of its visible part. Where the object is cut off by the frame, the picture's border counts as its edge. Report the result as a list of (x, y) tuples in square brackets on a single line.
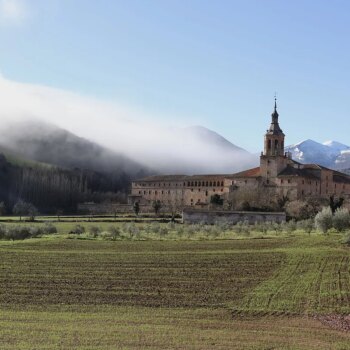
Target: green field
[(267, 293)]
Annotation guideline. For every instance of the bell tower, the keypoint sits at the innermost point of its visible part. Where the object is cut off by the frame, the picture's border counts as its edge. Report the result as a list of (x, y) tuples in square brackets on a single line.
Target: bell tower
[(273, 159), (274, 137)]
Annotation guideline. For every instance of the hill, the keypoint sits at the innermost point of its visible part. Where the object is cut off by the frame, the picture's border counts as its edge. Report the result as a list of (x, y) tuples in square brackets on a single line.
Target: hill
[(49, 144)]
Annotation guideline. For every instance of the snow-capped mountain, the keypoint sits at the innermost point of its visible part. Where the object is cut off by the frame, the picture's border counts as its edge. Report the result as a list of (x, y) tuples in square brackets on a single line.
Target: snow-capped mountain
[(331, 154)]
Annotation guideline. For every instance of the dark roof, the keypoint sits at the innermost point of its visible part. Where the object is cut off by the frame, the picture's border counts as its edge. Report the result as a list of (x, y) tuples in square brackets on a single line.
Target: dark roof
[(341, 177), (159, 178), (291, 171), (254, 172)]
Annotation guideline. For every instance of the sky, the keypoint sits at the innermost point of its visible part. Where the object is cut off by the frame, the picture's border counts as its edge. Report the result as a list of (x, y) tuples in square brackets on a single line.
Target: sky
[(190, 62)]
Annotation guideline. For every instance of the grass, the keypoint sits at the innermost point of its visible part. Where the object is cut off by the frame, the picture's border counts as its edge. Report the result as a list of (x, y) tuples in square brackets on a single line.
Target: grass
[(59, 293)]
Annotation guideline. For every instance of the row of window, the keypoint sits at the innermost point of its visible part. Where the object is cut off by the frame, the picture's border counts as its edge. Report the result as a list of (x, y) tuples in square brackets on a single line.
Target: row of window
[(189, 184), (168, 192)]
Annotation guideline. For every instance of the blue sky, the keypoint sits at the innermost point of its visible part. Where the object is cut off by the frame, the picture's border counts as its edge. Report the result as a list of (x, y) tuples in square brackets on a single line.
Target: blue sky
[(213, 63)]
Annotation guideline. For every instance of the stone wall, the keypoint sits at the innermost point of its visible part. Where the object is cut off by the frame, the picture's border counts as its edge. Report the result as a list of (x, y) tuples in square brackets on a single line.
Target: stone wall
[(194, 216)]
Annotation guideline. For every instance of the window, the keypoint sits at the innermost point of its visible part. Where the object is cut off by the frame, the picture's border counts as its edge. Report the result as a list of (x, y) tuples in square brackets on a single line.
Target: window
[(210, 183), (222, 183), (206, 193), (199, 189), (139, 192), (214, 184), (191, 189), (222, 190), (303, 182), (206, 184), (302, 192), (162, 192), (144, 192), (289, 181), (245, 181), (282, 181)]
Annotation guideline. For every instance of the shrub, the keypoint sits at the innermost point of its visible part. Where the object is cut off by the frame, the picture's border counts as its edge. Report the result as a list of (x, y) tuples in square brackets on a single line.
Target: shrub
[(78, 230), (171, 225), (238, 227), (341, 219), (35, 231), (290, 226), (17, 232), (246, 227), (2, 231), (276, 227), (114, 231), (95, 230), (306, 225), (163, 231), (324, 220), (106, 235), (49, 228), (346, 239)]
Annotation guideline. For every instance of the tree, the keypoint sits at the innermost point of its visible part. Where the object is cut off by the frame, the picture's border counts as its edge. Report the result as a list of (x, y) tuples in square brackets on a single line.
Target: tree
[(136, 208), (59, 212), (216, 199), (32, 211), (341, 219), (324, 220), (335, 203), (282, 201), (157, 205), (20, 209)]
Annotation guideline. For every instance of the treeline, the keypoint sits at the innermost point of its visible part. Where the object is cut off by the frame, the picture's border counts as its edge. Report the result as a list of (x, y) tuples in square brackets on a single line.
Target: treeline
[(51, 188)]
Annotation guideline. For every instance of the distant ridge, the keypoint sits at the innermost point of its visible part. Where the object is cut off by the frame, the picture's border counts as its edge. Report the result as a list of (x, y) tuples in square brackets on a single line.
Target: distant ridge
[(331, 154)]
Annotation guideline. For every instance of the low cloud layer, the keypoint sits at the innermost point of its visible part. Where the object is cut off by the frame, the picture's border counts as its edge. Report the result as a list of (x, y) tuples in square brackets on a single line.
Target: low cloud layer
[(125, 130)]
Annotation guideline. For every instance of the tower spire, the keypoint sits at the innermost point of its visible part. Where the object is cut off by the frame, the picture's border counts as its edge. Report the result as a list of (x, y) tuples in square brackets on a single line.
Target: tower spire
[(275, 102)]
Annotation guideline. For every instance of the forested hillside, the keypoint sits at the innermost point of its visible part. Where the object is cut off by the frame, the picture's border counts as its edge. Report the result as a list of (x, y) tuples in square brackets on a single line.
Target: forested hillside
[(52, 188)]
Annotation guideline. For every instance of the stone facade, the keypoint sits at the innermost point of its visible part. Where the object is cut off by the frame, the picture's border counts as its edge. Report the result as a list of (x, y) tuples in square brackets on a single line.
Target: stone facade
[(278, 176)]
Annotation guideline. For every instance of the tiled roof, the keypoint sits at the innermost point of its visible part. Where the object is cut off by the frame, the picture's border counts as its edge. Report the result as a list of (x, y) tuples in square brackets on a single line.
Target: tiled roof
[(254, 172)]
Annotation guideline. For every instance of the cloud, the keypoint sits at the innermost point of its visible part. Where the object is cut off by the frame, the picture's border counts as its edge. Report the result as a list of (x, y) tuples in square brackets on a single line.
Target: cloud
[(12, 12), (134, 133)]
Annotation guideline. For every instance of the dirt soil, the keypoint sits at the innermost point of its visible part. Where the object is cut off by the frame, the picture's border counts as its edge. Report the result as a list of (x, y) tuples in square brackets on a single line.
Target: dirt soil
[(338, 322)]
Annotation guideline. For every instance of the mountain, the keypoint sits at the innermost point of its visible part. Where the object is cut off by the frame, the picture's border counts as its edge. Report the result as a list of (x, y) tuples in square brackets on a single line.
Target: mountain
[(46, 143), (331, 154), (211, 137), (198, 150)]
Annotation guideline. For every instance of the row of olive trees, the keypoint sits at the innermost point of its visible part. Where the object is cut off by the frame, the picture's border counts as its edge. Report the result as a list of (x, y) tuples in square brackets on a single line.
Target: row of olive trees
[(326, 220), (12, 232)]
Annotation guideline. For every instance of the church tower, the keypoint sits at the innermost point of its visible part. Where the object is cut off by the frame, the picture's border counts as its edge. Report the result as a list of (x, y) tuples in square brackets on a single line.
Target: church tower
[(273, 159), (274, 137)]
